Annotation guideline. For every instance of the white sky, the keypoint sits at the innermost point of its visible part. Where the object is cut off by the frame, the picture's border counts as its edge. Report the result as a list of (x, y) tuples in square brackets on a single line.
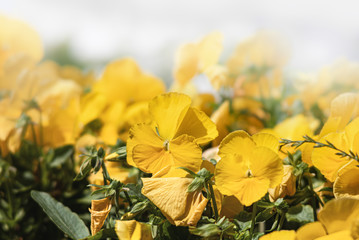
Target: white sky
[(319, 31)]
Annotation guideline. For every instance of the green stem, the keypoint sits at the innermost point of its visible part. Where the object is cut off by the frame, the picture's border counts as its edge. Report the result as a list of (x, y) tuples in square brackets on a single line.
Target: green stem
[(10, 199), (105, 174), (254, 213), (314, 201), (116, 202), (41, 129), (213, 200), (282, 217), (128, 198)]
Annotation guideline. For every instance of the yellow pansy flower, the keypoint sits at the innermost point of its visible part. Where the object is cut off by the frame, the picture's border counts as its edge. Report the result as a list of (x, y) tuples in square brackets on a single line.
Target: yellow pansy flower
[(342, 109), (194, 58), (326, 160), (132, 230), (337, 220), (118, 99), (249, 166), (280, 235), (121, 84), (170, 195), (172, 139)]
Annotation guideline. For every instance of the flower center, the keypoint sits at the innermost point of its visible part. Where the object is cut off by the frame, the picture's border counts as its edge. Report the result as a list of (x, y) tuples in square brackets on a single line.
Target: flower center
[(166, 145), (249, 173)]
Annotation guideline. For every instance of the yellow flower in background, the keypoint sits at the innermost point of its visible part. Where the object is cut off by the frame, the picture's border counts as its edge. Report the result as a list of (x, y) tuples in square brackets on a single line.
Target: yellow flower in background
[(293, 128), (337, 220), (194, 58), (263, 49), (249, 166), (280, 235), (132, 230), (17, 40), (256, 65), (115, 128), (170, 195), (229, 117), (116, 97), (172, 138), (321, 88), (116, 171)]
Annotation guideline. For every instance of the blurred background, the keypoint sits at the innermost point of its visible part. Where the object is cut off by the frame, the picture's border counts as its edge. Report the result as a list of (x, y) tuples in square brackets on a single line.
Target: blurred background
[(90, 33)]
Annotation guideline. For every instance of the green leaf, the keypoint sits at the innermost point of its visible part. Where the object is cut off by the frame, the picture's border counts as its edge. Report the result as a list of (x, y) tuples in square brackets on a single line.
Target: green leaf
[(66, 220), (207, 230), (62, 155), (103, 234), (301, 214), (326, 189)]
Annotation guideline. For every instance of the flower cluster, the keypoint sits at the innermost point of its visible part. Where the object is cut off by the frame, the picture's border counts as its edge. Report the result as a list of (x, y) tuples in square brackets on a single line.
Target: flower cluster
[(257, 157)]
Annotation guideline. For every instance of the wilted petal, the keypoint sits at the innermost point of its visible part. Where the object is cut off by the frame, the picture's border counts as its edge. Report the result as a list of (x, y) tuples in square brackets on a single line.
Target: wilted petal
[(99, 211), (171, 197)]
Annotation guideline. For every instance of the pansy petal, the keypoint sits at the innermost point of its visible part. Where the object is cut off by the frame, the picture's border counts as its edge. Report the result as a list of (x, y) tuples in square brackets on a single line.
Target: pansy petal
[(209, 50), (347, 182), (237, 142), (186, 63), (221, 117), (338, 214), (186, 153), (280, 235), (326, 160), (344, 106), (311, 231), (197, 124), (266, 140), (99, 211), (266, 164), (352, 134), (250, 190), (342, 235), (168, 111), (141, 134), (229, 172), (128, 230), (151, 159), (170, 195)]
